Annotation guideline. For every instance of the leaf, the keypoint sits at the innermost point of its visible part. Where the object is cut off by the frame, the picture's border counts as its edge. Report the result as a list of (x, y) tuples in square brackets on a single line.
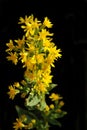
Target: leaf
[(43, 105), (52, 86), (32, 102), (54, 122), (20, 110), (30, 115)]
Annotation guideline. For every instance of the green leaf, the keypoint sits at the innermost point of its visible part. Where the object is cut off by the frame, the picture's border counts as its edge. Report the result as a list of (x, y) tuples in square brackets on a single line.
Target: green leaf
[(20, 110), (42, 105), (32, 102), (54, 122), (52, 86), (30, 115)]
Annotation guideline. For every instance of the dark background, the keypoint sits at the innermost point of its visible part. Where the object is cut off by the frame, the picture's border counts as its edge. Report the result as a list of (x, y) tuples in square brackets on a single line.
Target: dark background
[(70, 34)]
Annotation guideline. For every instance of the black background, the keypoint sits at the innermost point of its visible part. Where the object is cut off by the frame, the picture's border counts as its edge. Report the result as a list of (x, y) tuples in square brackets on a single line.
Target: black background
[(70, 34)]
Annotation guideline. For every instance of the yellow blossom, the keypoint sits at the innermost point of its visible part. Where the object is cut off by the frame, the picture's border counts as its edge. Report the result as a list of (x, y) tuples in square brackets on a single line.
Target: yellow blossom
[(44, 33), (59, 110), (55, 53), (26, 19), (32, 31), (47, 44), (47, 22), (33, 59), (40, 58), (59, 53), (20, 43), (47, 108), (45, 66), (13, 57), (27, 28), (23, 56), (49, 60), (12, 92), (22, 20), (52, 106), (16, 84), (33, 121), (54, 97), (40, 87), (61, 103), (28, 65), (47, 78), (31, 47), (18, 124), (36, 23), (10, 46), (30, 75)]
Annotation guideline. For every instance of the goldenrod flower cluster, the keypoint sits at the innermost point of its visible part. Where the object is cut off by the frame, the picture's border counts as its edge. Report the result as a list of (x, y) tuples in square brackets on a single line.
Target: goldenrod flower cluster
[(37, 53)]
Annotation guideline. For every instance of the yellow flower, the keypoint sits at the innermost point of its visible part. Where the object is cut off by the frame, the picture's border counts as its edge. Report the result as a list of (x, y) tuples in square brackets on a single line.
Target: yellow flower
[(52, 106), (58, 53), (10, 46), (20, 42), (49, 60), (36, 23), (33, 121), (23, 56), (47, 44), (44, 33), (18, 124), (59, 110), (13, 57), (47, 22), (61, 103), (33, 59), (40, 87), (16, 84), (47, 108), (39, 58), (31, 47), (26, 19), (47, 78), (45, 66), (55, 53), (12, 92), (32, 32), (28, 65), (55, 97), (30, 75), (22, 20), (27, 28)]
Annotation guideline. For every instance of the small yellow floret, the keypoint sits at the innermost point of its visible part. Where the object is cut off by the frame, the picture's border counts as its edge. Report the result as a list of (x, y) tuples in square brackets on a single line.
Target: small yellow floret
[(55, 97), (12, 92), (18, 124)]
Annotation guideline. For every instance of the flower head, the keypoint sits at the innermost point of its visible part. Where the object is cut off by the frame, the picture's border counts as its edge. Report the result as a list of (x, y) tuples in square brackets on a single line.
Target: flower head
[(55, 97), (18, 124), (12, 92), (10, 46), (13, 57), (47, 22)]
